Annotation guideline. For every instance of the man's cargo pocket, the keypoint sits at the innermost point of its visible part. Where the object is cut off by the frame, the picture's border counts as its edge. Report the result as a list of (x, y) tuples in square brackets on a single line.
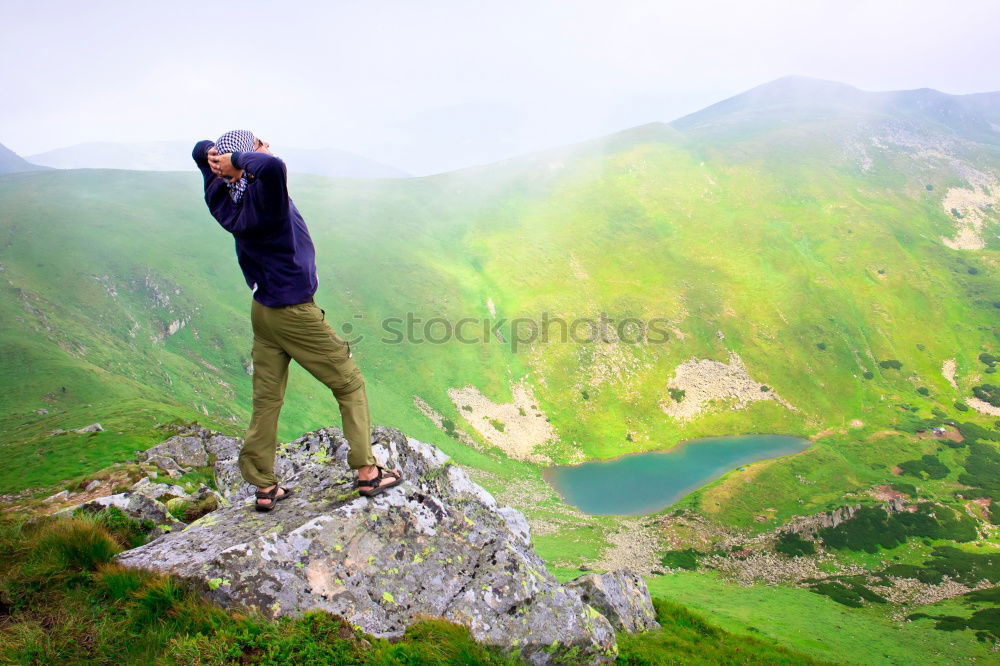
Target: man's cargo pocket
[(341, 349)]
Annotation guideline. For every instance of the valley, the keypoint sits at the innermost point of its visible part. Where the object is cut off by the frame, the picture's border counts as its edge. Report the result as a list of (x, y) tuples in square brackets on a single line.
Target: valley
[(822, 260)]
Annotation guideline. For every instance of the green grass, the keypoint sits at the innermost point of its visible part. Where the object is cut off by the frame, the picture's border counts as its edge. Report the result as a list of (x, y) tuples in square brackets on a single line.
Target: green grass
[(816, 625), (688, 638), (44, 460)]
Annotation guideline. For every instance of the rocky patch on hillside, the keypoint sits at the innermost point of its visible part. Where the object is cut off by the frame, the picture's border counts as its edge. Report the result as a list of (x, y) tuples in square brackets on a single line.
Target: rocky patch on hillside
[(972, 208), (699, 382), (982, 406), (515, 427)]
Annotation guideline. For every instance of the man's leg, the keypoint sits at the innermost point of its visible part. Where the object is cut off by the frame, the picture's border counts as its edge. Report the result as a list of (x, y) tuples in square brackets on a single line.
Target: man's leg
[(311, 341), (270, 377)]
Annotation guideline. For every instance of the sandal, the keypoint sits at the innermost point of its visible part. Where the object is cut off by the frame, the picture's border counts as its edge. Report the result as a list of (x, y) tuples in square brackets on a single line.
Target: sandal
[(374, 483), (272, 495)]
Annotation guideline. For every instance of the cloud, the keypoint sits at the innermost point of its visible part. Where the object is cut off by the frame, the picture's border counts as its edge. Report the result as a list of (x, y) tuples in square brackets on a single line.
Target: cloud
[(351, 75)]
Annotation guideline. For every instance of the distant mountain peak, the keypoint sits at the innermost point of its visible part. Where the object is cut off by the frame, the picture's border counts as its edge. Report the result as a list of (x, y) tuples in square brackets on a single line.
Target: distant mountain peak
[(797, 98), (11, 162)]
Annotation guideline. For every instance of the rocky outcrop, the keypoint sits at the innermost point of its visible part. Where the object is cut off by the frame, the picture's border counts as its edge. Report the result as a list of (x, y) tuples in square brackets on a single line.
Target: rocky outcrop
[(811, 524), (437, 545), (193, 447), (163, 503), (621, 596), (135, 505), (93, 427), (160, 503)]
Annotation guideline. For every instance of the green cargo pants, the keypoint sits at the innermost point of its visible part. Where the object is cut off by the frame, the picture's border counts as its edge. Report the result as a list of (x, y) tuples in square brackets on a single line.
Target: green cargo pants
[(300, 332)]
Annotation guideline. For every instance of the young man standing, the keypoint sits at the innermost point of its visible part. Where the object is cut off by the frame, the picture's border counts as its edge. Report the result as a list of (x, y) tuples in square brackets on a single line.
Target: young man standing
[(246, 192)]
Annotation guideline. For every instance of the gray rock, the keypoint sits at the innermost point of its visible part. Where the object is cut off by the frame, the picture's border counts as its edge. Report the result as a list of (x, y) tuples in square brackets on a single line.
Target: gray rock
[(192, 447), (517, 523), (621, 596), (186, 451), (58, 497), (895, 505), (168, 465), (92, 486), (93, 427), (134, 505), (437, 545), (222, 447), (161, 492)]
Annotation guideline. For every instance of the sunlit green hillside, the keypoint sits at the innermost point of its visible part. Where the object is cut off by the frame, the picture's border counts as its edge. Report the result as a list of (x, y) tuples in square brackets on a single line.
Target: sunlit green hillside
[(803, 236)]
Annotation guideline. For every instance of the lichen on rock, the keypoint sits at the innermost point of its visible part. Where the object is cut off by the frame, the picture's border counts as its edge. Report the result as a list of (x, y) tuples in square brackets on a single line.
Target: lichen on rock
[(621, 596)]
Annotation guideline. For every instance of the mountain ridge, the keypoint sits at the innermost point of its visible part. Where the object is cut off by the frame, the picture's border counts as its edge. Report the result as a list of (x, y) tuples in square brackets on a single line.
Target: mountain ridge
[(969, 114), (176, 156), (11, 162)]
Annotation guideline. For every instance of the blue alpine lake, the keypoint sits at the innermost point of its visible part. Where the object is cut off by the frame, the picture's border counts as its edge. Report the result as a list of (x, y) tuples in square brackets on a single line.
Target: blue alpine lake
[(649, 482)]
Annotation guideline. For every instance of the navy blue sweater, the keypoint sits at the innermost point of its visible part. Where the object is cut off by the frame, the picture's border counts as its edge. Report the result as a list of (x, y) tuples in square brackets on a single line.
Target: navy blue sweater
[(273, 245)]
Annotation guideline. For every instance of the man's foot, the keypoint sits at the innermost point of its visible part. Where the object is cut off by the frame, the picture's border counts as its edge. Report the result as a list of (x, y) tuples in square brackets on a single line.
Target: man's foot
[(373, 479), (263, 502)]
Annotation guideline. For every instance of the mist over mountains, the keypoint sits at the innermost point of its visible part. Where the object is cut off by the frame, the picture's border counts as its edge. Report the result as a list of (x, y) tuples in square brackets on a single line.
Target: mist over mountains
[(176, 156), (478, 134)]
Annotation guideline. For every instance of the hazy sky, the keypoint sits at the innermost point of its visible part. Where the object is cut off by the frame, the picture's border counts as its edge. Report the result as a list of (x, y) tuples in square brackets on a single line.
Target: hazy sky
[(433, 85)]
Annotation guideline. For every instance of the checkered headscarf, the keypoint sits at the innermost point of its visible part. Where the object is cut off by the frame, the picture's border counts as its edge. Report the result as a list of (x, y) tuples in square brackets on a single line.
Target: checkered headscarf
[(236, 141)]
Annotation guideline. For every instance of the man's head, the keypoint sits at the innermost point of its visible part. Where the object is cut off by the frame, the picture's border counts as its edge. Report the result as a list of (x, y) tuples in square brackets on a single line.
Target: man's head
[(241, 141), (235, 141)]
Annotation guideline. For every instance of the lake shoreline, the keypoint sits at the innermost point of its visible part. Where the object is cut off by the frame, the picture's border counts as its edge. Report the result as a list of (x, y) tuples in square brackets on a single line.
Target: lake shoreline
[(652, 481)]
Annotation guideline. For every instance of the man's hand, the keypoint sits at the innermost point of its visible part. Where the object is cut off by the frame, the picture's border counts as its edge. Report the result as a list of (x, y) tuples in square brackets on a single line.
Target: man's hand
[(222, 165)]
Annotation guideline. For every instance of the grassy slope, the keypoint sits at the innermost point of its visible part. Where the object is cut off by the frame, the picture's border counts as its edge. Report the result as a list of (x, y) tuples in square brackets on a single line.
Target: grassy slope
[(781, 253), (816, 625)]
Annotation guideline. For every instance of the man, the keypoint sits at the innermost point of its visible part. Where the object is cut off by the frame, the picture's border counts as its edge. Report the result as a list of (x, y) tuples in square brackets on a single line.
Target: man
[(246, 192)]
